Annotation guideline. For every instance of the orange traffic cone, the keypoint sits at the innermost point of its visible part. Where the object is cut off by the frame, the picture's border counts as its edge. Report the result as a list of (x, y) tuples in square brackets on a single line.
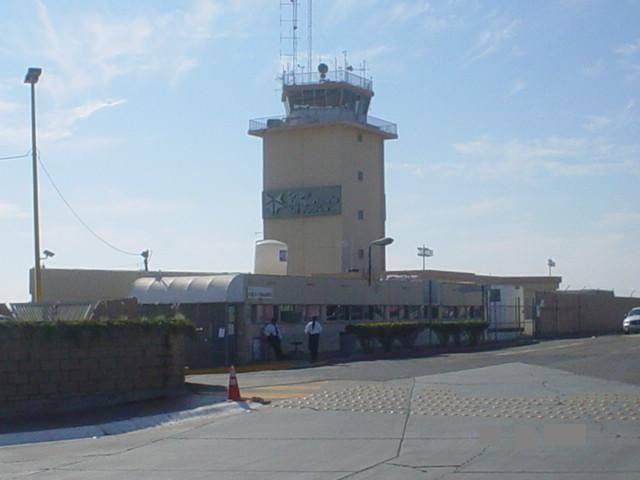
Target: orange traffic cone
[(233, 392)]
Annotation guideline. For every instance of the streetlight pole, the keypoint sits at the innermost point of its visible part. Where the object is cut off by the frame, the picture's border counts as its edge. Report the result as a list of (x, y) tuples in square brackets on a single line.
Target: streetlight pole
[(424, 252), (550, 263), (33, 74), (381, 242)]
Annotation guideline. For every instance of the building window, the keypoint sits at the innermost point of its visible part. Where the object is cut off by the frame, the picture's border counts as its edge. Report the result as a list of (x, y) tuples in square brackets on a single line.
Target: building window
[(394, 312), (291, 313), (360, 214), (360, 312), (336, 312), (360, 137), (361, 254), (360, 176)]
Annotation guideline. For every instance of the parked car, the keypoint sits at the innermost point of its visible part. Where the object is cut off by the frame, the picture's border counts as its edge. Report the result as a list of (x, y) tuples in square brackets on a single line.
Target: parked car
[(631, 322)]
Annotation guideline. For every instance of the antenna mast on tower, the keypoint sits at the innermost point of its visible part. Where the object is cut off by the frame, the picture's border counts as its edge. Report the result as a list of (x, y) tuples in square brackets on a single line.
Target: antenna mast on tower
[(309, 35), (289, 35)]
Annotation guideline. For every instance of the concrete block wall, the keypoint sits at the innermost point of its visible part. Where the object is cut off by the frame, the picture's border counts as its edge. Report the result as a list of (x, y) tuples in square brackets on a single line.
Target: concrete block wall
[(42, 374), (581, 314)]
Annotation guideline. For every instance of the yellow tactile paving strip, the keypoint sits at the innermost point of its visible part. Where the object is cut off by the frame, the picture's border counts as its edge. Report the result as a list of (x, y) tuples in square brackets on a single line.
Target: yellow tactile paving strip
[(281, 392), (370, 398)]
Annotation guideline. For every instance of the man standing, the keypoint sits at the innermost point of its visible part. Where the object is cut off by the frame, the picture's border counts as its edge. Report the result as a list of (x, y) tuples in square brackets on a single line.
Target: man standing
[(313, 330), (274, 337)]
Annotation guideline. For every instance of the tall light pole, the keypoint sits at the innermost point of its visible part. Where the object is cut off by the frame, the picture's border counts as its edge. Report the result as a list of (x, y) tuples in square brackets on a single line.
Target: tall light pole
[(424, 252), (381, 242), (33, 74)]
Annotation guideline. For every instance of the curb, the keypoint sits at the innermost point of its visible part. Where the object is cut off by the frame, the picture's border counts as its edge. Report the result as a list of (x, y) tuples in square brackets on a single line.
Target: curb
[(252, 367), (124, 426)]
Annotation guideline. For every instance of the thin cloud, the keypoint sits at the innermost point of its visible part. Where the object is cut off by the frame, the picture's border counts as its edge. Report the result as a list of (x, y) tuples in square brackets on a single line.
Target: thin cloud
[(7, 107), (109, 48), (412, 168), (628, 49), (595, 123), (516, 88), (557, 156), (593, 69), (61, 123), (620, 219), (11, 211), (492, 40), (401, 11)]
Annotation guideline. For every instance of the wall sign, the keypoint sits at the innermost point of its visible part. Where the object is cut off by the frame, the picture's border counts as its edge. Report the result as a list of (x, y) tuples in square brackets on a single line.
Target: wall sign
[(302, 202), (259, 293)]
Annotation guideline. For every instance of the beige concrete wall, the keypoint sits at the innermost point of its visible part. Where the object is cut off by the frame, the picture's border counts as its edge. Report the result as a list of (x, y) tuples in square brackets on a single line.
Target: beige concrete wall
[(342, 291), (79, 285), (577, 314), (327, 155), (86, 285)]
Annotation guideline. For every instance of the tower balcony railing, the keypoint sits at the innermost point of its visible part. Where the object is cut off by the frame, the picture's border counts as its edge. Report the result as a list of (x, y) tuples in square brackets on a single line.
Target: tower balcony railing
[(308, 78), (314, 116)]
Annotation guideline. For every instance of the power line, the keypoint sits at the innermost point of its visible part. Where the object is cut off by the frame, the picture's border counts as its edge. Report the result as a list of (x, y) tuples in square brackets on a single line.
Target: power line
[(14, 157), (82, 222)]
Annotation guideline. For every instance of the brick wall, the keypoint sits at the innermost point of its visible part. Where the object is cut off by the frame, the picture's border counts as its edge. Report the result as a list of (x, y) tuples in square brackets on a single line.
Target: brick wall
[(42, 373)]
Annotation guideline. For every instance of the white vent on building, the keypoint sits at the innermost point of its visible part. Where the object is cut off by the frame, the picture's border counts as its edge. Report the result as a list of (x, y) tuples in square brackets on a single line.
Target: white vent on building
[(272, 257)]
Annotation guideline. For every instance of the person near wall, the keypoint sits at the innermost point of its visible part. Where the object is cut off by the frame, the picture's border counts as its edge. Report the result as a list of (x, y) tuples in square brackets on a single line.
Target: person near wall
[(313, 330), (274, 338)]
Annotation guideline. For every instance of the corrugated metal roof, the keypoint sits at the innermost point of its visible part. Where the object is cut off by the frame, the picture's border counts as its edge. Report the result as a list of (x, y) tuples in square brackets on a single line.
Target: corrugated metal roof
[(190, 289)]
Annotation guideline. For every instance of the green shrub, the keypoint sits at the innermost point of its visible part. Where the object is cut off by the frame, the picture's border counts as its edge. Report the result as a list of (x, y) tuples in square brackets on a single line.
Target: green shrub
[(457, 329), (386, 333)]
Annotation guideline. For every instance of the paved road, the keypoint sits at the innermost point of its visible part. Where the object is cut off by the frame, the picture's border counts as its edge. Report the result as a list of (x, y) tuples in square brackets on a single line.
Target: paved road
[(608, 357), (558, 410)]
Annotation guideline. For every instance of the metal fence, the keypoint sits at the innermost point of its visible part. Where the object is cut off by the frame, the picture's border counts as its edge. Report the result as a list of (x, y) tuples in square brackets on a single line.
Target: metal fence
[(509, 322), (308, 78), (304, 117), (49, 312)]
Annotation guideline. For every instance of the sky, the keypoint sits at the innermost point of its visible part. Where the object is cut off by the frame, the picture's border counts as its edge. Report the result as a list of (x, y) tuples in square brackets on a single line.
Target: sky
[(519, 131)]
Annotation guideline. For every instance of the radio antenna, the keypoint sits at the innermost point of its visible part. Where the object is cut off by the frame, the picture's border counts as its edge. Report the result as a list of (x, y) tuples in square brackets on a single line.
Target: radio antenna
[(310, 36)]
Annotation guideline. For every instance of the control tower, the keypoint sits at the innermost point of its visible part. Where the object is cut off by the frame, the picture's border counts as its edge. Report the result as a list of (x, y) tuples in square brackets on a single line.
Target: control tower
[(323, 173)]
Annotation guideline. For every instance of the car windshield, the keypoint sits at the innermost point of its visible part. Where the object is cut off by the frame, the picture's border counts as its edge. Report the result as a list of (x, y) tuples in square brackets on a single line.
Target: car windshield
[(634, 311)]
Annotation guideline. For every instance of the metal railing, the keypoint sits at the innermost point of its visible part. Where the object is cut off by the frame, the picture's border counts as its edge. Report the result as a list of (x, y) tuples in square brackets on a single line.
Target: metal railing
[(310, 116), (308, 78)]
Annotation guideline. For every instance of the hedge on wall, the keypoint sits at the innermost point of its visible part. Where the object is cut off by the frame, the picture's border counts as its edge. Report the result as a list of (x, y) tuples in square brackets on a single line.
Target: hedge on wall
[(103, 327), (386, 333), (473, 330)]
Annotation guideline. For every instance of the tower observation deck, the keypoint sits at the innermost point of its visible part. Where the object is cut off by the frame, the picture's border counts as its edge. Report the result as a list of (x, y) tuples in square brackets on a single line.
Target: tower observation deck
[(325, 97)]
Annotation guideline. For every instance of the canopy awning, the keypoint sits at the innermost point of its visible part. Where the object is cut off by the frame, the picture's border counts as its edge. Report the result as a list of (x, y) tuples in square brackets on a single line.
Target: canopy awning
[(190, 289)]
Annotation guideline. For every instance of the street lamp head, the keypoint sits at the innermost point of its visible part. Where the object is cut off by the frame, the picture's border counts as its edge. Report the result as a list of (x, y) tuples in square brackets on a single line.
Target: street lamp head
[(32, 76), (382, 242), (48, 254)]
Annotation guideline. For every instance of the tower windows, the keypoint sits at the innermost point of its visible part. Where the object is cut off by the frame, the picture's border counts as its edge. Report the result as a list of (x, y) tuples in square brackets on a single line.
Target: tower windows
[(360, 214), (360, 175)]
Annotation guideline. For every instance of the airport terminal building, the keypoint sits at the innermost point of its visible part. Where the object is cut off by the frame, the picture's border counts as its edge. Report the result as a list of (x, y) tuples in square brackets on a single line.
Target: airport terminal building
[(323, 253)]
